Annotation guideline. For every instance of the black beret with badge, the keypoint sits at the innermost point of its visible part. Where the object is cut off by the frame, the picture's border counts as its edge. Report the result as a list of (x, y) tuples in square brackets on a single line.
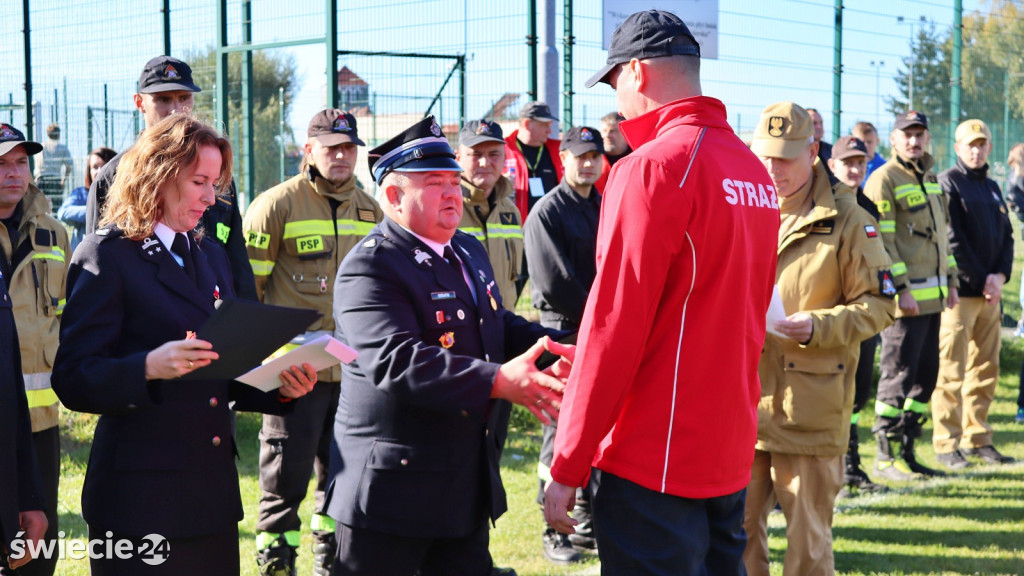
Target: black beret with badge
[(421, 147)]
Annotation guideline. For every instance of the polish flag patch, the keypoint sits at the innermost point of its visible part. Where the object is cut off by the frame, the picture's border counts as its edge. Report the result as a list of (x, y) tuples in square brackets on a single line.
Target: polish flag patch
[(871, 231)]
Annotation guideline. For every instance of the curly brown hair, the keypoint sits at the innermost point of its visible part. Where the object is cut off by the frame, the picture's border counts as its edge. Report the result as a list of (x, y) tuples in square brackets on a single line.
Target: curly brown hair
[(161, 152)]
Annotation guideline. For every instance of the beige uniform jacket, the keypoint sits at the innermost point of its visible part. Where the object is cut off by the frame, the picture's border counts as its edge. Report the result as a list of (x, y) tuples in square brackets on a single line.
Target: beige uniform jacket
[(500, 229), (913, 221), (833, 266), (37, 290), (296, 242)]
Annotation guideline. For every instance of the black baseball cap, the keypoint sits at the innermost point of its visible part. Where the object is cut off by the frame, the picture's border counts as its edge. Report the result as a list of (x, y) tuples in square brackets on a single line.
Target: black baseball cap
[(911, 118), (480, 131), (646, 34), (163, 74), (582, 139), (421, 147), (537, 111), (11, 137), (332, 127)]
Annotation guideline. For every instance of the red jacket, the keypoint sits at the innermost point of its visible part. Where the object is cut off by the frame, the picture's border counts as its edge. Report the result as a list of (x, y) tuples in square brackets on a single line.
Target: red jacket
[(606, 170), (664, 389), (517, 171)]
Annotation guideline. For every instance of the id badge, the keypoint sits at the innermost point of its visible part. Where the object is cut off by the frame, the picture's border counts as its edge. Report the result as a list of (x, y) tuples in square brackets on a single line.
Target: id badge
[(536, 187)]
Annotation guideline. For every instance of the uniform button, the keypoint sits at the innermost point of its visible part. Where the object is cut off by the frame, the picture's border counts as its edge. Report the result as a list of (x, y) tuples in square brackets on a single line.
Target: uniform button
[(405, 462), (481, 321), (213, 402), (791, 365), (487, 357), (487, 432), (215, 441), (841, 367)]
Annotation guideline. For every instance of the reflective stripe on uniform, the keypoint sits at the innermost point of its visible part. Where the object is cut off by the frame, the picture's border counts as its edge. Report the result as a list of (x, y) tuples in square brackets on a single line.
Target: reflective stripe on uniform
[(930, 289), (855, 418), (38, 390), (951, 261), (60, 306), (223, 231), (54, 254), (899, 268), (321, 523), (886, 411), (505, 231), (905, 190), (933, 188), (911, 405), (261, 267), (887, 226), (265, 540), (326, 227), (475, 232)]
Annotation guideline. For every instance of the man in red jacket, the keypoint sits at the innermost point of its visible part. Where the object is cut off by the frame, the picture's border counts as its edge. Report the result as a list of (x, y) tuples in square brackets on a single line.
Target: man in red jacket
[(531, 157), (664, 390)]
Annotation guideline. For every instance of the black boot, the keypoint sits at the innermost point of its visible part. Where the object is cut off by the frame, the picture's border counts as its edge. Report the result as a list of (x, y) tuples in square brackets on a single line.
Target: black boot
[(886, 464), (584, 536), (855, 478), (324, 551), (911, 431), (278, 559)]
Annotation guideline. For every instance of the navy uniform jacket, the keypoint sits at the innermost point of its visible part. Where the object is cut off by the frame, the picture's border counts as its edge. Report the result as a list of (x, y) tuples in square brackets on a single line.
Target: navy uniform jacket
[(417, 437), (162, 457), (19, 477), (221, 221)]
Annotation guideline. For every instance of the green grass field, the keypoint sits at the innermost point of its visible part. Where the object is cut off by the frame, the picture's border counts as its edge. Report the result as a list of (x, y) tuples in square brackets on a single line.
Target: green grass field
[(968, 523)]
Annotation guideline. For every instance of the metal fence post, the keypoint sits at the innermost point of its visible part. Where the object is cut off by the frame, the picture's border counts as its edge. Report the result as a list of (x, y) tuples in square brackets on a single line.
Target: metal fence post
[(567, 41), (955, 79), (837, 73)]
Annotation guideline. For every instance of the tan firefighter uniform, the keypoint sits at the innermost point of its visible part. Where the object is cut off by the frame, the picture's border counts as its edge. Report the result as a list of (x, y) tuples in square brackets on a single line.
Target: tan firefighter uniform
[(296, 243), (36, 285), (500, 229)]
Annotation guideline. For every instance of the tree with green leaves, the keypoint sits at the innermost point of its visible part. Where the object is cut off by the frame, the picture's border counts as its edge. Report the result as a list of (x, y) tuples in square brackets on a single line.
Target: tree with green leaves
[(271, 72)]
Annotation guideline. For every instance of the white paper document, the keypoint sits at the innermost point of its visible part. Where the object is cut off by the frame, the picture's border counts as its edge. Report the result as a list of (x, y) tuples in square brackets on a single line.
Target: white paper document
[(776, 312), (321, 353)]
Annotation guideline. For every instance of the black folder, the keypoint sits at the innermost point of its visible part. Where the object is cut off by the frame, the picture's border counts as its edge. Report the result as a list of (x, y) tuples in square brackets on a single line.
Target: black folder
[(246, 332)]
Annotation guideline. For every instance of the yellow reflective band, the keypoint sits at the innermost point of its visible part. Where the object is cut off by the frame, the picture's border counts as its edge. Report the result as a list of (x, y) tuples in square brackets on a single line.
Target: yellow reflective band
[(505, 231), (54, 254), (899, 268), (950, 261), (223, 231), (258, 240), (921, 294), (911, 405), (44, 397), (321, 523), (932, 188), (354, 228), (887, 226), (308, 244), (883, 409), (265, 540), (901, 191), (477, 233), (883, 206), (261, 267), (301, 228), (60, 306), (854, 418)]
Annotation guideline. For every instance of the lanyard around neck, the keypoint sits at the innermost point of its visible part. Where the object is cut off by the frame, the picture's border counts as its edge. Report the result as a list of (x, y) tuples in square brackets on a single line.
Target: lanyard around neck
[(536, 163)]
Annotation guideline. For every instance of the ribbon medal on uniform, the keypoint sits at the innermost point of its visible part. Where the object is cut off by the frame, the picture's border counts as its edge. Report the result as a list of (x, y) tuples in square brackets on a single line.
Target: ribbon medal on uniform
[(439, 316), (494, 303), (447, 340)]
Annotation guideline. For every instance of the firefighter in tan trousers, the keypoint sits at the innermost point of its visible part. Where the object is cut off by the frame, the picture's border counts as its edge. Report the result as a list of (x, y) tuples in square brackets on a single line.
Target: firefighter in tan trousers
[(834, 280), (297, 234)]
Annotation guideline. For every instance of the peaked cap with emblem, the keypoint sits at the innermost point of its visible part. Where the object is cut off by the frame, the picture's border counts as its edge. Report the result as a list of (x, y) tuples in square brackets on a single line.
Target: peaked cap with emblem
[(970, 130), (911, 118), (163, 74), (582, 139), (784, 130), (332, 127), (848, 147), (480, 131), (11, 137), (421, 147)]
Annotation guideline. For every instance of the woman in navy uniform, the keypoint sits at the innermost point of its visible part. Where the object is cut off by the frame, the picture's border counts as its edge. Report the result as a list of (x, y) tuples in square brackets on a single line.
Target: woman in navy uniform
[(162, 460), (423, 413)]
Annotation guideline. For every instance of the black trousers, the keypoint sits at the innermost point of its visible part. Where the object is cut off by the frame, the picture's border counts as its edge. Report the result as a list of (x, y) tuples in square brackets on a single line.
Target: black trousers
[(641, 532), (47, 445), (215, 555), (909, 365), (363, 552), (291, 448), (864, 378)]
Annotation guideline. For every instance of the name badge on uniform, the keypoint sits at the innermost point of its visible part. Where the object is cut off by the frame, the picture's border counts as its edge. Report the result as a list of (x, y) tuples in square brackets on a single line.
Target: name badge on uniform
[(442, 295)]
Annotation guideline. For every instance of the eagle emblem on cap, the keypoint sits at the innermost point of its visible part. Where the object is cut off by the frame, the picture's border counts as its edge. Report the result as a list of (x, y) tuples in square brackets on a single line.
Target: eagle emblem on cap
[(341, 125), (912, 115), (435, 129), (483, 128), (976, 127), (170, 73), (775, 126), (585, 135), (5, 131)]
